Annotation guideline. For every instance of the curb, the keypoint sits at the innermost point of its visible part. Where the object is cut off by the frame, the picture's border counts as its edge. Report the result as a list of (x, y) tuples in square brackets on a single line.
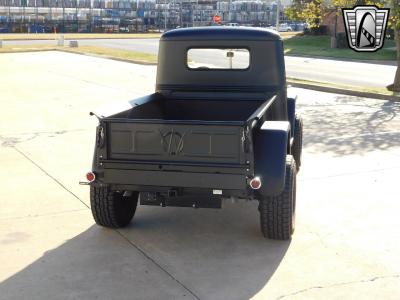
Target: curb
[(335, 90), (26, 50), (362, 61)]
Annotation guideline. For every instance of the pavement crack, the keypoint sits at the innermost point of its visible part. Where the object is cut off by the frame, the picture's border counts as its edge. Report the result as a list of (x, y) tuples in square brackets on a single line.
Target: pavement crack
[(349, 174), (91, 82), (321, 240), (157, 264), (44, 215), (317, 287), (12, 140), (50, 176), (347, 137)]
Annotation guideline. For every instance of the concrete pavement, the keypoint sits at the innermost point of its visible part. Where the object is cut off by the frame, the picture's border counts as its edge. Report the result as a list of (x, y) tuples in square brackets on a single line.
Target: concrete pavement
[(361, 74), (346, 241)]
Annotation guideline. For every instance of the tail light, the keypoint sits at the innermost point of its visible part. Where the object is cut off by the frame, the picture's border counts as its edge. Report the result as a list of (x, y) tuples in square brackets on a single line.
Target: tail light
[(255, 183), (90, 176)]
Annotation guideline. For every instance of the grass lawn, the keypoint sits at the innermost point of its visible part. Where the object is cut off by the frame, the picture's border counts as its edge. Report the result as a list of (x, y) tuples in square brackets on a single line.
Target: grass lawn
[(320, 46), (133, 56), (24, 48), (76, 36)]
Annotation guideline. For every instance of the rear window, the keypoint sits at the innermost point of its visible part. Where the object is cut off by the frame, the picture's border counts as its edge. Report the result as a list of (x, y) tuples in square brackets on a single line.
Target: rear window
[(221, 59)]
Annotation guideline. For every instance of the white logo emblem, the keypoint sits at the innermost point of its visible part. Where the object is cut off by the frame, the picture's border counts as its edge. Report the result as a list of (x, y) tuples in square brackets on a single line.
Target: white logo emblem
[(365, 27)]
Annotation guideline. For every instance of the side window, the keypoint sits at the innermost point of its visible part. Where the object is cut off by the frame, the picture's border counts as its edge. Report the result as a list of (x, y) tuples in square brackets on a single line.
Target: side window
[(223, 59)]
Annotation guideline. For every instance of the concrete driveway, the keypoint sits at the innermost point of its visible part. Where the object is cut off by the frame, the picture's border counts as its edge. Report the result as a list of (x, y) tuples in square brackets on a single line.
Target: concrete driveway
[(346, 243)]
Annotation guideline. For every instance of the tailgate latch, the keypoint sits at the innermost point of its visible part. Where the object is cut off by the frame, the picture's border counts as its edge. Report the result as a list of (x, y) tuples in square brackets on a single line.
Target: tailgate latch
[(100, 136), (245, 140)]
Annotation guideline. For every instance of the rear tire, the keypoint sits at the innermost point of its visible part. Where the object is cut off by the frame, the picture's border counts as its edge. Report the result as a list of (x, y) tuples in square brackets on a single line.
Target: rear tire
[(277, 213), (110, 208), (298, 141)]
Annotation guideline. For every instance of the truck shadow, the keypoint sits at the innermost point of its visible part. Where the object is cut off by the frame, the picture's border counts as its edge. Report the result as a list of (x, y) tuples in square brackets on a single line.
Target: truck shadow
[(350, 125), (216, 254)]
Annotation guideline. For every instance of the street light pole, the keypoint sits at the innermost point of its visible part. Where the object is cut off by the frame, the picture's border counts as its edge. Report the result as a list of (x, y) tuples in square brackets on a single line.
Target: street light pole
[(165, 15), (197, 9), (278, 12), (229, 10)]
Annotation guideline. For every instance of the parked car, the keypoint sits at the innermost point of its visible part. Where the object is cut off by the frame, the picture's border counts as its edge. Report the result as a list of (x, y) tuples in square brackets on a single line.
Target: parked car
[(282, 28), (285, 28), (224, 129)]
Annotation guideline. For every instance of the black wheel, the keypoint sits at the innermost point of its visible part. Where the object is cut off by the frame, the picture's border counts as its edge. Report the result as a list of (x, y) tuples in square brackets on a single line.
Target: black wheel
[(111, 208), (298, 141), (277, 213)]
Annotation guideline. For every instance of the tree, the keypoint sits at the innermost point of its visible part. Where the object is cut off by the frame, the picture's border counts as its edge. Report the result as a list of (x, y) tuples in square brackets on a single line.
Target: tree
[(395, 21), (310, 11)]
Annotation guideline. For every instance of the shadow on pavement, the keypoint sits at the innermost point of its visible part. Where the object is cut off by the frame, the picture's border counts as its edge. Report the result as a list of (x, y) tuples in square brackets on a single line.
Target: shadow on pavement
[(216, 254), (351, 125)]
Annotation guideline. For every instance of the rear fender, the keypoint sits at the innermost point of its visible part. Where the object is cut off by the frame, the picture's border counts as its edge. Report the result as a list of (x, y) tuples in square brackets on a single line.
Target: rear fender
[(271, 143)]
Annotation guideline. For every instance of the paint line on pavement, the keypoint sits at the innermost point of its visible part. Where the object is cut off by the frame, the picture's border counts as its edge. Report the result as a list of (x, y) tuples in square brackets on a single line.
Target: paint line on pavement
[(157, 264), (117, 231), (50, 176)]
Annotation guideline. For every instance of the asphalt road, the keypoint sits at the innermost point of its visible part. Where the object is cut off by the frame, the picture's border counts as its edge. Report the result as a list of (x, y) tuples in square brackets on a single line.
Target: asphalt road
[(367, 75), (346, 243)]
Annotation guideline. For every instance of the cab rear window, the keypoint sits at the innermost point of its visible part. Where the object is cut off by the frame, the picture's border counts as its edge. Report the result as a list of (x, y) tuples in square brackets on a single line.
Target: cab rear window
[(220, 59)]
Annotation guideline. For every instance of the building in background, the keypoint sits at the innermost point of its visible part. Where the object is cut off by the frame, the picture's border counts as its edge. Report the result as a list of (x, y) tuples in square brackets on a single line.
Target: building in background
[(37, 16)]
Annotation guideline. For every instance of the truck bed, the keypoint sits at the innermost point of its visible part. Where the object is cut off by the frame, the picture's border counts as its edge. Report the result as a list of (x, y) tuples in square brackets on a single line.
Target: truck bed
[(164, 131), (205, 109)]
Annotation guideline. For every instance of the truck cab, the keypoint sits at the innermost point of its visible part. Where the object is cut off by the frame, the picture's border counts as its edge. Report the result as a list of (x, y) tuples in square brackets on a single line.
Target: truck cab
[(219, 125)]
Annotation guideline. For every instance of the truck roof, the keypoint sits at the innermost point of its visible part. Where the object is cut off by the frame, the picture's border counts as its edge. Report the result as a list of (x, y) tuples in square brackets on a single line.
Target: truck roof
[(221, 33)]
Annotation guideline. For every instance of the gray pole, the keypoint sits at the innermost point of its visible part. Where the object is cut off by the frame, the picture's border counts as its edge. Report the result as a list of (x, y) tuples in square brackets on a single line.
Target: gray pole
[(197, 9), (165, 15), (63, 15), (36, 16), (180, 14), (9, 16), (278, 12), (91, 16), (23, 14), (51, 17), (229, 11), (76, 16)]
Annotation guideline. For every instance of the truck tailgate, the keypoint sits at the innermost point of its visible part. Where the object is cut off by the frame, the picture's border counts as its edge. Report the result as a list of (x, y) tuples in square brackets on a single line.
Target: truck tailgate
[(190, 141)]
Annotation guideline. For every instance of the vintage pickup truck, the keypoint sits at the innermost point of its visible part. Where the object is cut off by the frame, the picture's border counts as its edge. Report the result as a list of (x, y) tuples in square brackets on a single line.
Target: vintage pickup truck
[(219, 125)]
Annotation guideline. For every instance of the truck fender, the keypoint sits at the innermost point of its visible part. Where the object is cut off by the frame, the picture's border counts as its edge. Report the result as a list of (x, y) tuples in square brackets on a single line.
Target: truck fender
[(270, 148)]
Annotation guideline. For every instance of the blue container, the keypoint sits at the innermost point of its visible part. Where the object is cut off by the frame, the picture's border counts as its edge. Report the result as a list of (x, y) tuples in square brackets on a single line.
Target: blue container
[(140, 13)]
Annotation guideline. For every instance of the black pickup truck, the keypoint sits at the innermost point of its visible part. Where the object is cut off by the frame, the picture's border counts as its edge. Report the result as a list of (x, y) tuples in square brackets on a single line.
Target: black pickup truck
[(219, 125)]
